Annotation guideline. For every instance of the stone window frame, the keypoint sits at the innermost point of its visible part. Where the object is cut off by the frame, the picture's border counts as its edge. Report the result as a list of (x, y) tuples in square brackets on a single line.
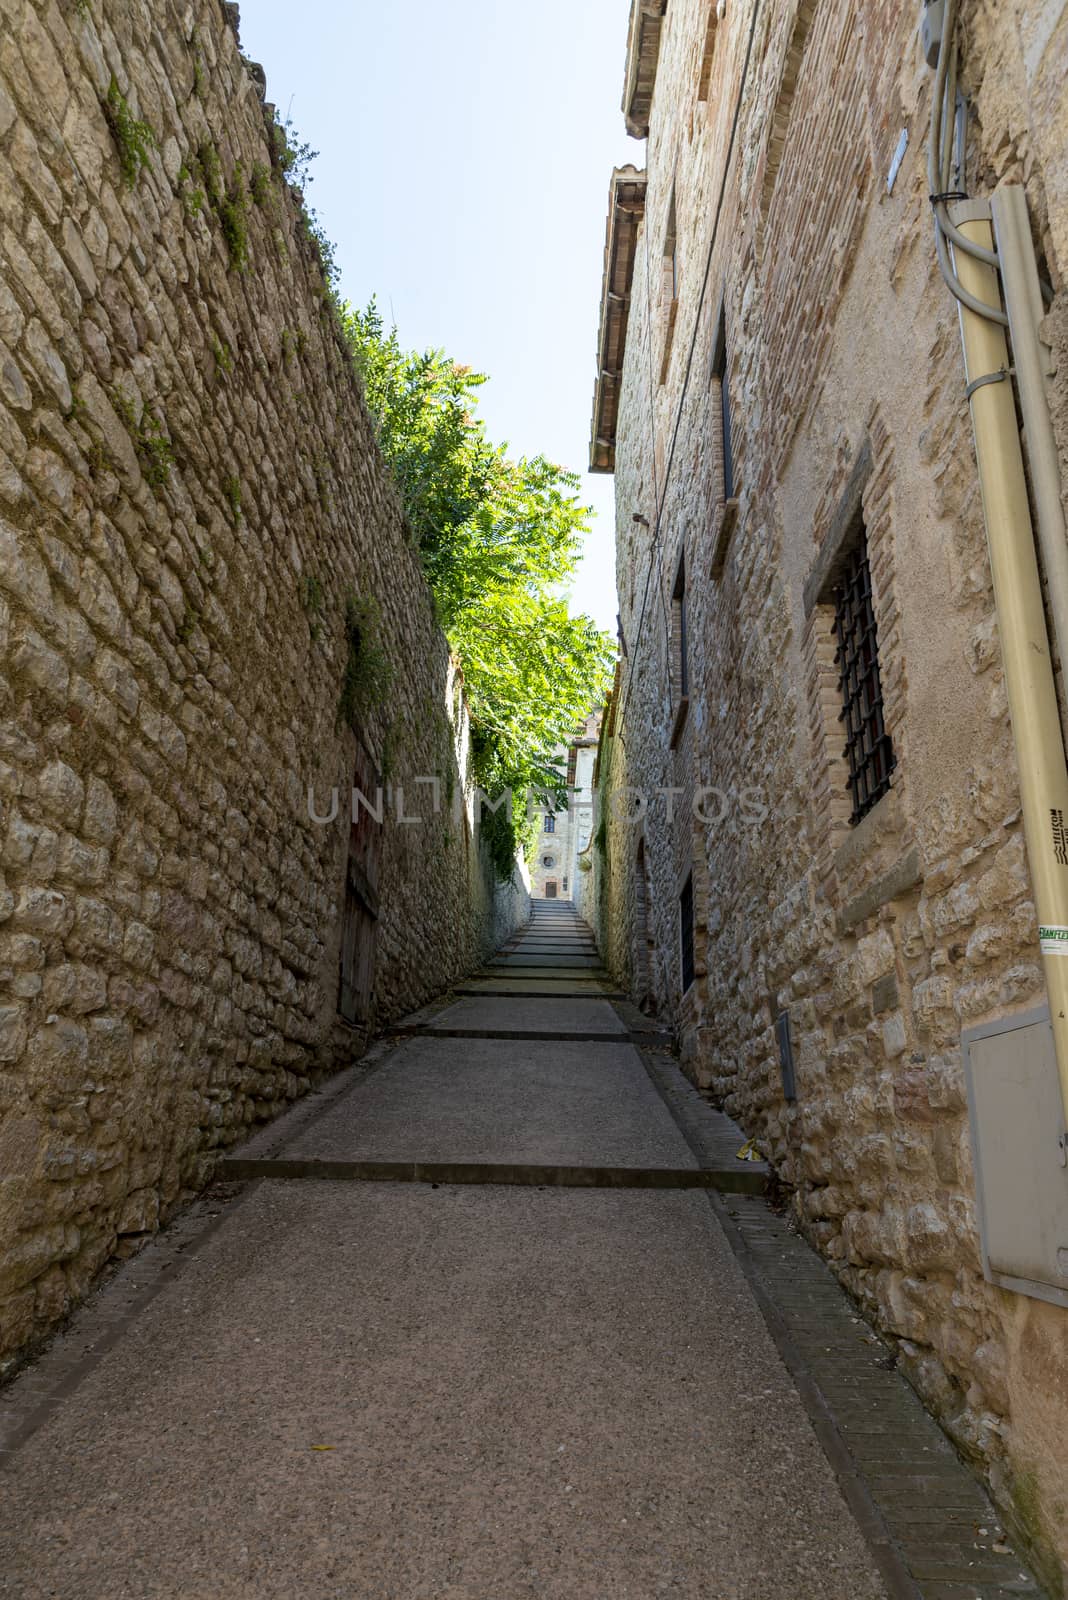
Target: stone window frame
[(724, 483), (719, 375), (865, 496), (687, 983), (708, 51), (669, 284), (693, 865), (679, 662), (643, 942), (871, 757)]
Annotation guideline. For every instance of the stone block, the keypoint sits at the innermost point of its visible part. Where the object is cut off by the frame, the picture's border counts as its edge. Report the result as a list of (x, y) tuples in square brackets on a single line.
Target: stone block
[(60, 793), (38, 910), (12, 1032)]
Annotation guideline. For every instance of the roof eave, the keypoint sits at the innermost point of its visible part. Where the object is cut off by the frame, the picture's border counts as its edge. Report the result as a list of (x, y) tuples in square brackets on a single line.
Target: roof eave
[(643, 54), (626, 207)]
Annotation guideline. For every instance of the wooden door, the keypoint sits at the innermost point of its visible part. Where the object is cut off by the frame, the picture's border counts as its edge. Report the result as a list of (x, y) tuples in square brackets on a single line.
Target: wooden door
[(550, 889)]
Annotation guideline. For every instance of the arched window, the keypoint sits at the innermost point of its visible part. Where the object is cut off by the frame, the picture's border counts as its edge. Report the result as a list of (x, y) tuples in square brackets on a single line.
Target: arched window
[(550, 823)]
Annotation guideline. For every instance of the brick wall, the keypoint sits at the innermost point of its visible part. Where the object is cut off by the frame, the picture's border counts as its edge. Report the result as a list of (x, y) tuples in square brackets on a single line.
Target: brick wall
[(189, 491)]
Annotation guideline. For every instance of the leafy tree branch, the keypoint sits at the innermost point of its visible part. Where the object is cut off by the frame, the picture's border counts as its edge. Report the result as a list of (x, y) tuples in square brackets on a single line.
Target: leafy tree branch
[(499, 539)]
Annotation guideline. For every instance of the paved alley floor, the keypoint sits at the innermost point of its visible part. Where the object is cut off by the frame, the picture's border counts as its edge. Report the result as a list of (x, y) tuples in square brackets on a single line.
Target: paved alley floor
[(562, 1372)]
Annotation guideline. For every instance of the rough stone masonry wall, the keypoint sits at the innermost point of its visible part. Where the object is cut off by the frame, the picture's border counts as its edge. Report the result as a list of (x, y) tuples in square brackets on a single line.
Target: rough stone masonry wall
[(189, 491), (883, 940)]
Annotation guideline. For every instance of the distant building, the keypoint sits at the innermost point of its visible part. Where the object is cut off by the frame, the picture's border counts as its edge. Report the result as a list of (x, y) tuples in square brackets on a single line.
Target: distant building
[(564, 832)]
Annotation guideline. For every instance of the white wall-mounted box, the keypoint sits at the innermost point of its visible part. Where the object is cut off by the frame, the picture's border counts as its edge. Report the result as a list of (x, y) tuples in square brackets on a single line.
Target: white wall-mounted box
[(1014, 1104)]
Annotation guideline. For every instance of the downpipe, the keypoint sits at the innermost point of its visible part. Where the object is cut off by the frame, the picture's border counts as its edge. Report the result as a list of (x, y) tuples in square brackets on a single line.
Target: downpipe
[(1028, 667)]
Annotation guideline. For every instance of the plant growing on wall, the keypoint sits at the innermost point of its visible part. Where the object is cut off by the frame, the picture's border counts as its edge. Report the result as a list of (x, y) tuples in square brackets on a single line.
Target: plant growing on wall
[(135, 139), (499, 539), (367, 673), (232, 490), (153, 446), (233, 218), (259, 184), (293, 155)]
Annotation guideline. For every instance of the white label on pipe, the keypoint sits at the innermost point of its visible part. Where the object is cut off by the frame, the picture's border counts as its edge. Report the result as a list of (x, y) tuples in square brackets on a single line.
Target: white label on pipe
[(1053, 941)]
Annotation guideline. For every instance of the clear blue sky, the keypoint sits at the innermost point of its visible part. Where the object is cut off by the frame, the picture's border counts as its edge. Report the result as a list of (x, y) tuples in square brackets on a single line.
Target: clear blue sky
[(465, 152)]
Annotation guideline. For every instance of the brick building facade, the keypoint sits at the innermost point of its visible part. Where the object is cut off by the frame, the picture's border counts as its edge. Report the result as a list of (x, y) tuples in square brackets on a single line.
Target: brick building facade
[(780, 397)]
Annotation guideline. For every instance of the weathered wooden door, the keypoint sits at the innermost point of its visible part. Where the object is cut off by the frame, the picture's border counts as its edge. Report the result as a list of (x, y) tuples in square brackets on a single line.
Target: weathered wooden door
[(550, 889), (360, 915)]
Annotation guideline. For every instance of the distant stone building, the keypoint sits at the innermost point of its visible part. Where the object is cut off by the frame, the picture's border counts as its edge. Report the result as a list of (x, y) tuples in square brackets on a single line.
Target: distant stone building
[(563, 832), (808, 793)]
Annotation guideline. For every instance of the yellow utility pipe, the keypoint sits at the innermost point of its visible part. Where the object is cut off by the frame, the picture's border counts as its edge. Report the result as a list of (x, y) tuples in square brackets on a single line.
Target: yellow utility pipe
[(1021, 620)]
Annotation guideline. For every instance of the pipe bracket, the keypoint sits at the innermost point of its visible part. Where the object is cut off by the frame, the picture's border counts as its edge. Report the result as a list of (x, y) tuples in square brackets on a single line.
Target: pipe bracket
[(987, 377)]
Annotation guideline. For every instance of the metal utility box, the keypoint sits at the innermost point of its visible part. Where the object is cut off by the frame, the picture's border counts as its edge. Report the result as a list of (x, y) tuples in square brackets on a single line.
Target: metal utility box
[(1016, 1115)]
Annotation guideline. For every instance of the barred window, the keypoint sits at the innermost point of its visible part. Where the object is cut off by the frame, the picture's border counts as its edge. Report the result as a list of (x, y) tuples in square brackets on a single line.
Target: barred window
[(550, 823), (679, 629), (686, 932), (868, 749), (719, 375)]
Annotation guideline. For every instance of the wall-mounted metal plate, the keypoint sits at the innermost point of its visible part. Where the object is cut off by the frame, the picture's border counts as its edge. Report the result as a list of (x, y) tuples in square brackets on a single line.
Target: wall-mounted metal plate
[(1021, 1186)]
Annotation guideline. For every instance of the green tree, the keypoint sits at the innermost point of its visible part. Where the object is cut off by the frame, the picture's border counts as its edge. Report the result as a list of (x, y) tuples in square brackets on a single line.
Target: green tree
[(499, 539)]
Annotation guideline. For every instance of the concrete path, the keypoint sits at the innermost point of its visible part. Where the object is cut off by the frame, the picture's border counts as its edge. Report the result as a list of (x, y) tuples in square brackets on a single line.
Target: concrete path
[(461, 1391)]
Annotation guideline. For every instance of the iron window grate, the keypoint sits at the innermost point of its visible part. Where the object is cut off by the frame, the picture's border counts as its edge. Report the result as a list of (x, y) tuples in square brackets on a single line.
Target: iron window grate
[(686, 932), (868, 748)]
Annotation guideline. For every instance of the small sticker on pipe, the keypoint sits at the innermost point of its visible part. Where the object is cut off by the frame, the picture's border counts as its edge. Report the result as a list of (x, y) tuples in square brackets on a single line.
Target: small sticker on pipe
[(1053, 941)]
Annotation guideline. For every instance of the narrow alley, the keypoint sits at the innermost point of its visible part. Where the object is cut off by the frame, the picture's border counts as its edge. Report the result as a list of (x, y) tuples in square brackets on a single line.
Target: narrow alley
[(541, 1355), (533, 982)]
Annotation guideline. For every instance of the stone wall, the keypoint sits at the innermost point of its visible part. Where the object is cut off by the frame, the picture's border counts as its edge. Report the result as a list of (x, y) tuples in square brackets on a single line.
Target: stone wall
[(190, 496), (883, 940)]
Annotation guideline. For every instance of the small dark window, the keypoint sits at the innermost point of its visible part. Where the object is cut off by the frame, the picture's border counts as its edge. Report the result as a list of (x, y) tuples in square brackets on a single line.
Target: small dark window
[(704, 79), (686, 932), (671, 253), (550, 824), (669, 291), (868, 749), (678, 604), (786, 1055), (719, 374)]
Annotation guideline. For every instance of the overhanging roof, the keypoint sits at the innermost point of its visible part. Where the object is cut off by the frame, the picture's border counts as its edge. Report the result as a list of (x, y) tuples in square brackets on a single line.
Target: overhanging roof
[(643, 53), (626, 208)]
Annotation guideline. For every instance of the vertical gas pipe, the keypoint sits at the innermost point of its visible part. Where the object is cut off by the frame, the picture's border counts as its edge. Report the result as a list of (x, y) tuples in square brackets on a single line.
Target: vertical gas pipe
[(1021, 621)]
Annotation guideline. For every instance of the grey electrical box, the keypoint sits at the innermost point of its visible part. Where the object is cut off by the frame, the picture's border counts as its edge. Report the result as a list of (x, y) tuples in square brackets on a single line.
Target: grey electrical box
[(1014, 1101), (932, 23)]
